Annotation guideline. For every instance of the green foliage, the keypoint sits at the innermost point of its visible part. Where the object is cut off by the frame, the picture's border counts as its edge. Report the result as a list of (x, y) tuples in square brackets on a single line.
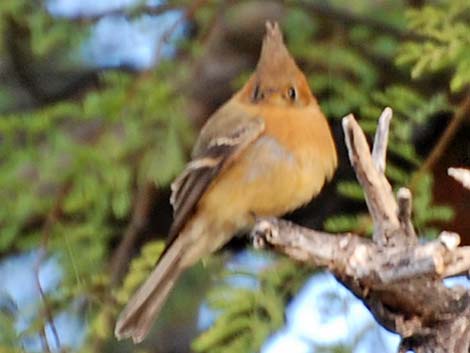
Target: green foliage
[(70, 169), (248, 315), (426, 214), (90, 157), (410, 111), (8, 334), (47, 35), (101, 174), (334, 349), (339, 67), (101, 325), (443, 42), (139, 269)]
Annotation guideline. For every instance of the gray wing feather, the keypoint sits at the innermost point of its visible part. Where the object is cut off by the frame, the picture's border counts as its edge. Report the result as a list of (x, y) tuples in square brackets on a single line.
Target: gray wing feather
[(188, 188)]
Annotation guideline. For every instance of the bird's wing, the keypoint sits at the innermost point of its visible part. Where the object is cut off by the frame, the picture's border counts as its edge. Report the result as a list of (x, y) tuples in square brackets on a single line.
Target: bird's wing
[(221, 141)]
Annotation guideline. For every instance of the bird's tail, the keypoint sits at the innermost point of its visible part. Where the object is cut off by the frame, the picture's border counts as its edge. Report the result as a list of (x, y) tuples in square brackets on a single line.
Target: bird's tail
[(137, 317)]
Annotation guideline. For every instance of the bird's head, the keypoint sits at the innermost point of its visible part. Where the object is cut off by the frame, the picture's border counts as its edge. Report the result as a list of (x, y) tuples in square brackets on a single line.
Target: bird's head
[(277, 79)]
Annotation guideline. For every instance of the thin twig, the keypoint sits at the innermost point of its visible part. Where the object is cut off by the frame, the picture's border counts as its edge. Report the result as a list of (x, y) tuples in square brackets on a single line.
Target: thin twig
[(51, 219), (145, 195), (404, 213), (43, 339), (462, 175), (129, 12), (379, 151), (459, 116)]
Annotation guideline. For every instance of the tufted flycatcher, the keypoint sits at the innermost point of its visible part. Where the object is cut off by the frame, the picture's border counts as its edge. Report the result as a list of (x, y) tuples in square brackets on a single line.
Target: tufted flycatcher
[(265, 152)]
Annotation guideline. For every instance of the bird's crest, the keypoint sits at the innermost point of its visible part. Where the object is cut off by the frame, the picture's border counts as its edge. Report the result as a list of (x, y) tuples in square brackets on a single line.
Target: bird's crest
[(274, 55)]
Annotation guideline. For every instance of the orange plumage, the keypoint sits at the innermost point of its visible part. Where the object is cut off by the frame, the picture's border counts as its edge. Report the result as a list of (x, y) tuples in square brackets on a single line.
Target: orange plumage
[(265, 152)]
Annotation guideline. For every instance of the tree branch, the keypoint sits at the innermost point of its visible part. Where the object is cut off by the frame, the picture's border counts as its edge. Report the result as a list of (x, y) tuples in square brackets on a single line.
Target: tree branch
[(349, 18), (146, 194), (398, 279), (362, 259), (129, 12)]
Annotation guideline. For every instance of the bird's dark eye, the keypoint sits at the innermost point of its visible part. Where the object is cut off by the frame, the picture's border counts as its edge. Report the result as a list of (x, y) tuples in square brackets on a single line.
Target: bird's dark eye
[(292, 93), (257, 94)]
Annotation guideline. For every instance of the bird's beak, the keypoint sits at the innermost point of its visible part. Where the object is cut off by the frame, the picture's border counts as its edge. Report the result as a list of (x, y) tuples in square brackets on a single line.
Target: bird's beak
[(274, 95), (277, 98)]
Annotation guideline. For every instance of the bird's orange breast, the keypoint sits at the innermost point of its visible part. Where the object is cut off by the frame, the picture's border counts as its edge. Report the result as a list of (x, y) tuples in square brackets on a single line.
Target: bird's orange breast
[(282, 170)]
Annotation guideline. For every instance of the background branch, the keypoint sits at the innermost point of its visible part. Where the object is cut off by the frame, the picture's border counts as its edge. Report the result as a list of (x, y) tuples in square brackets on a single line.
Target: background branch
[(130, 12), (458, 118), (146, 194), (349, 18)]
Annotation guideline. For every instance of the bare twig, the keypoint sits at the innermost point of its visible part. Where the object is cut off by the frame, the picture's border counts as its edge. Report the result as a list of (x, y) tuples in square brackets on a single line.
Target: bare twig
[(462, 175), (379, 197), (304, 245), (404, 213), (379, 151)]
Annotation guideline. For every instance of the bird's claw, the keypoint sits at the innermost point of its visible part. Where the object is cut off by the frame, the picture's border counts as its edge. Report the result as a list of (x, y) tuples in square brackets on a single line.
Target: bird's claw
[(263, 231)]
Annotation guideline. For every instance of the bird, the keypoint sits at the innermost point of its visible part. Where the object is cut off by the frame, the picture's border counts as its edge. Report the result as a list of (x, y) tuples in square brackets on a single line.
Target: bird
[(266, 152)]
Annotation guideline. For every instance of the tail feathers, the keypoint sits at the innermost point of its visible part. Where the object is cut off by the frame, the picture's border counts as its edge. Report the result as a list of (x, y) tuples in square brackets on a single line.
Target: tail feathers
[(138, 316)]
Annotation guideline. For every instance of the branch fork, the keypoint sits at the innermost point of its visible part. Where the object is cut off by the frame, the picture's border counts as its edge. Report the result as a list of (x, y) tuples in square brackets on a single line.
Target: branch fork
[(398, 279)]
